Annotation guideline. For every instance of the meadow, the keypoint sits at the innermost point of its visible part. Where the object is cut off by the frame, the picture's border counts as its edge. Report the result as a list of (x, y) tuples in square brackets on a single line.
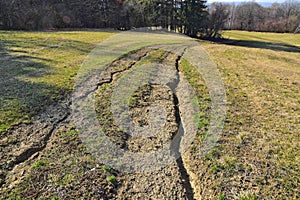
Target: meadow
[(257, 156)]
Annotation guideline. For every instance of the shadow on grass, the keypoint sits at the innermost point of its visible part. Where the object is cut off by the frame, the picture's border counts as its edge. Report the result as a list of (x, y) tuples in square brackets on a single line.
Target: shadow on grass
[(24, 91), (20, 98), (259, 45)]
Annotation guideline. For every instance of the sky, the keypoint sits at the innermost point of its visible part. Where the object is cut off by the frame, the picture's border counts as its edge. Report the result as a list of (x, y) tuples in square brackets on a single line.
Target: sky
[(266, 1)]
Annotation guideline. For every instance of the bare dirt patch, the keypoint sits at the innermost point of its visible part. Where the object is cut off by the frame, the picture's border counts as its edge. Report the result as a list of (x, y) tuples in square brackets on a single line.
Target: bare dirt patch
[(48, 160)]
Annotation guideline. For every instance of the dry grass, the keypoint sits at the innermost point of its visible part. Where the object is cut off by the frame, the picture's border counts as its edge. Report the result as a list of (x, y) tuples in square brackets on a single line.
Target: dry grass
[(258, 155)]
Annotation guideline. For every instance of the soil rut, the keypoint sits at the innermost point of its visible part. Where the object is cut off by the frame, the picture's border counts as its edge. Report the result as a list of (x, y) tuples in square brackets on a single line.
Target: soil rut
[(25, 142), (173, 181)]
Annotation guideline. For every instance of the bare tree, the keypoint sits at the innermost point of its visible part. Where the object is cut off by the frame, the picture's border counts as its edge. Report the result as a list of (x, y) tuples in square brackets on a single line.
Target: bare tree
[(219, 13)]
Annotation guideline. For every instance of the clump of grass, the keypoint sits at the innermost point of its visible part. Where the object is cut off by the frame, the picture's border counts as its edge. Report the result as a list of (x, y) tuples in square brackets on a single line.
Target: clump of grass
[(55, 198), (248, 197), (12, 197), (112, 179), (3, 127), (38, 164), (222, 197), (229, 162), (213, 155), (70, 133), (105, 168), (216, 167), (132, 102)]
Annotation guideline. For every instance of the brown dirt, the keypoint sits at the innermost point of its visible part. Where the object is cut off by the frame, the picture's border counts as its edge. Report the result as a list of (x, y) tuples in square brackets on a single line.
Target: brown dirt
[(46, 159)]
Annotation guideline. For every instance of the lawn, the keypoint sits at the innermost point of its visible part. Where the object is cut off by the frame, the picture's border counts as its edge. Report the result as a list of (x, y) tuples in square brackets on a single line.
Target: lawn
[(257, 156), (39, 68)]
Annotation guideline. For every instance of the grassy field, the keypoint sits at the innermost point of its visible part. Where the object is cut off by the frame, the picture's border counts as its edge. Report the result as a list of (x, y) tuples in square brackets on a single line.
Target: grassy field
[(257, 156), (39, 69)]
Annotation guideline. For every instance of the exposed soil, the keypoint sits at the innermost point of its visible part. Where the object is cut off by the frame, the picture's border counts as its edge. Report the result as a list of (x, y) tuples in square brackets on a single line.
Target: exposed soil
[(46, 159), (23, 142), (171, 182), (256, 157)]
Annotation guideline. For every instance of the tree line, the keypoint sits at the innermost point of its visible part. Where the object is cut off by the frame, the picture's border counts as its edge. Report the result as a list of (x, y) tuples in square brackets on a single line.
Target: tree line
[(47, 14), (251, 16), (190, 17)]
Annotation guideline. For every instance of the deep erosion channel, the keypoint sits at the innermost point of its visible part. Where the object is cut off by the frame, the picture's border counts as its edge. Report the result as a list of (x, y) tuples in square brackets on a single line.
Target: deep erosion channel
[(28, 148), (172, 182)]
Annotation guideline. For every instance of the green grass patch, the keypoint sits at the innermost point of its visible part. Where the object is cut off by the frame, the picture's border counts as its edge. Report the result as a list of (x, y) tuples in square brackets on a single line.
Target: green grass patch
[(222, 197), (248, 197), (112, 179), (69, 133), (39, 68), (105, 168), (39, 164), (3, 127), (55, 198), (194, 78), (284, 38)]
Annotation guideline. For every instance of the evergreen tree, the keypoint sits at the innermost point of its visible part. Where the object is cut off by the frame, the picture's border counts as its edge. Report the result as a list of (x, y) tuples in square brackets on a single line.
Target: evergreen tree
[(185, 16), (196, 17)]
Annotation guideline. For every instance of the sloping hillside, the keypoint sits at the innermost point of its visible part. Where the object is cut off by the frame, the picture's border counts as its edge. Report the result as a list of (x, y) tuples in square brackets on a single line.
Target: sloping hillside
[(256, 157)]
